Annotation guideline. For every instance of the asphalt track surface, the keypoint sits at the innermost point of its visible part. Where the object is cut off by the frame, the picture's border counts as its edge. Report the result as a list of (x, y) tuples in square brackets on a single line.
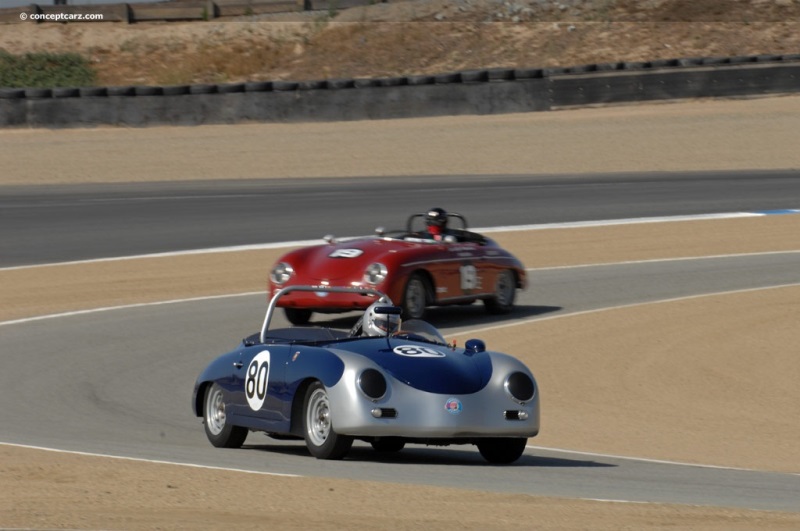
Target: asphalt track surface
[(119, 383), (42, 224)]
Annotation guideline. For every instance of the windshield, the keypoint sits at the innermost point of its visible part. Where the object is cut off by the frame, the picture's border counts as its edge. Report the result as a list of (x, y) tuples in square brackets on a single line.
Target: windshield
[(423, 330)]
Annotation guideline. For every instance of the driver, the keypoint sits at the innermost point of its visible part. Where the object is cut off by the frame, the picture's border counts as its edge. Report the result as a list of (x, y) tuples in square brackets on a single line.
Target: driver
[(379, 324), (436, 223)]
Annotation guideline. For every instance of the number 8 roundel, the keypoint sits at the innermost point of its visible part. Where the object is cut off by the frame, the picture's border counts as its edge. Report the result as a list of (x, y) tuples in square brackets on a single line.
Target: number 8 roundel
[(418, 352), (256, 380)]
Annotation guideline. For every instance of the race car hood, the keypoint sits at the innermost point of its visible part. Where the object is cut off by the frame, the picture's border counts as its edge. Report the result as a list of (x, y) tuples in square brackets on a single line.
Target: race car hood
[(429, 367), (348, 259)]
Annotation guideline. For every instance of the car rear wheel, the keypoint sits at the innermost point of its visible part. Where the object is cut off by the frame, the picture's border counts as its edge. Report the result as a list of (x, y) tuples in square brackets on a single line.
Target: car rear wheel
[(297, 316), (219, 431), (503, 450), (505, 291), (415, 297), (321, 439)]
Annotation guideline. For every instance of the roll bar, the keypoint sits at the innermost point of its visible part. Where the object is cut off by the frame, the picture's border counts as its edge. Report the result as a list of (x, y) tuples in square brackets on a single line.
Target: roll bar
[(331, 289), (450, 215)]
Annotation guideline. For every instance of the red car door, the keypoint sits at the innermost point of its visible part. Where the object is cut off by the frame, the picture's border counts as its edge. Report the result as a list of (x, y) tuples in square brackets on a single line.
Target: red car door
[(458, 273)]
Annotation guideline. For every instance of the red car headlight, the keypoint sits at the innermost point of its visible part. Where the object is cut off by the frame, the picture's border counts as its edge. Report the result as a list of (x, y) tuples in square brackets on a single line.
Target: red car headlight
[(375, 273), (281, 272)]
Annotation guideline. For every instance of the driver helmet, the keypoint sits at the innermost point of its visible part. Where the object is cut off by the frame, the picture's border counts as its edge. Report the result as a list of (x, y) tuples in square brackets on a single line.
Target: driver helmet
[(379, 324), (436, 221)]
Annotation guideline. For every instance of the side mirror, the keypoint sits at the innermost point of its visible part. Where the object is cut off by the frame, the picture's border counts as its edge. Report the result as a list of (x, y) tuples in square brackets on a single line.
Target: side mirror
[(329, 238), (380, 231), (474, 346)]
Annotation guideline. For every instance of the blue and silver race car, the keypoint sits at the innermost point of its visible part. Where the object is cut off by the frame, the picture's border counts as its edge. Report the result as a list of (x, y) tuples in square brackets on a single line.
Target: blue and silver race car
[(387, 381)]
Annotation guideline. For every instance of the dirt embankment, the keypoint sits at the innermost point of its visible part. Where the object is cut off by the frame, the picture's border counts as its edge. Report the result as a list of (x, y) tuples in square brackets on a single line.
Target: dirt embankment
[(415, 37)]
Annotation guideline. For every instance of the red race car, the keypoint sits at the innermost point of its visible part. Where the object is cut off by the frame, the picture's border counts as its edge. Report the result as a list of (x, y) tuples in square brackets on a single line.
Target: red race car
[(432, 265)]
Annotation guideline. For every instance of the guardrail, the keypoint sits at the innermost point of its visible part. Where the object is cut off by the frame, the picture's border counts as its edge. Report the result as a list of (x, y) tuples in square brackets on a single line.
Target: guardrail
[(491, 91)]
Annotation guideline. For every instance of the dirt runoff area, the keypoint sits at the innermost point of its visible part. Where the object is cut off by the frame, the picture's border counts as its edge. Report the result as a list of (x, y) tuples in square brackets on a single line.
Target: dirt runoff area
[(699, 352)]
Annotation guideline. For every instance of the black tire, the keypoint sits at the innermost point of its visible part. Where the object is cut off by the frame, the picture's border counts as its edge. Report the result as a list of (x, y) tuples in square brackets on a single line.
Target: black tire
[(202, 89), (474, 76), (219, 432), (281, 86), (312, 85), (321, 439), (120, 91), (66, 92), (392, 81), (420, 80), (415, 297), (501, 74), (502, 451), (148, 90), (505, 291), (175, 90), (37, 93), (12, 93), (258, 86), (336, 84), (388, 444), (230, 88), (297, 316), (93, 92)]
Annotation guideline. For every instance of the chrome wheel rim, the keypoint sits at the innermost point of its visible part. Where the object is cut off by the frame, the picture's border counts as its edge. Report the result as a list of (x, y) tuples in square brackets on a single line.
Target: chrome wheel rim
[(215, 411), (318, 417), (415, 298)]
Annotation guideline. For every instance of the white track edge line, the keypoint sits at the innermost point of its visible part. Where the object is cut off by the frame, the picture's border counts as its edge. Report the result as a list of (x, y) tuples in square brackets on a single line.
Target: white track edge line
[(658, 260), (154, 461), (656, 461), (508, 228), (620, 307), (128, 306)]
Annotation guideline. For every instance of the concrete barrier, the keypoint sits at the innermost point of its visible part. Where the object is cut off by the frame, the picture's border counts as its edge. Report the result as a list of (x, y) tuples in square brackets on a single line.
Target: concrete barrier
[(493, 91), (640, 84)]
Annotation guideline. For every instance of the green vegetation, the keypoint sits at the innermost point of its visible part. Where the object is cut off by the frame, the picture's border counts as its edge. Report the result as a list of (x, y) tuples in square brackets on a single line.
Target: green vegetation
[(47, 70)]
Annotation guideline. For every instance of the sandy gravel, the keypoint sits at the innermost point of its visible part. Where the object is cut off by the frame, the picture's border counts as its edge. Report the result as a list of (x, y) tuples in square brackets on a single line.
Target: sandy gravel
[(702, 135), (700, 353)]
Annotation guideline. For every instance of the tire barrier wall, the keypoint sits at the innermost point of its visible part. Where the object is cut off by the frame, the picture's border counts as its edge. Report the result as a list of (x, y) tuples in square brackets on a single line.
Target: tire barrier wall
[(493, 91)]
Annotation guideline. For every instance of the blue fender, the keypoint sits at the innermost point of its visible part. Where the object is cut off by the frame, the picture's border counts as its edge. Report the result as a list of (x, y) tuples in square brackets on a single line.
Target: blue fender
[(313, 362)]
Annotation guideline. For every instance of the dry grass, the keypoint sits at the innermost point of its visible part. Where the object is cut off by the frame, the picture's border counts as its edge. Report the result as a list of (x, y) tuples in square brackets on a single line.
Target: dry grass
[(419, 37)]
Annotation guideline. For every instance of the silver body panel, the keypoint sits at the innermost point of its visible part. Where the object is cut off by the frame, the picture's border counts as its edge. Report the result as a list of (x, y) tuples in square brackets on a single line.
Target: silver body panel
[(422, 414)]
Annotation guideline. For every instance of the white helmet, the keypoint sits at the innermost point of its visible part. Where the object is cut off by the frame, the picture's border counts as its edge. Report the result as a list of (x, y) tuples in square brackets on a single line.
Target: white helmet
[(380, 323)]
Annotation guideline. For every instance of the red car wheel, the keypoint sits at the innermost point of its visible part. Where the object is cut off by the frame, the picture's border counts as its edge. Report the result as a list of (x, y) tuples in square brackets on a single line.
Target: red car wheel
[(415, 297)]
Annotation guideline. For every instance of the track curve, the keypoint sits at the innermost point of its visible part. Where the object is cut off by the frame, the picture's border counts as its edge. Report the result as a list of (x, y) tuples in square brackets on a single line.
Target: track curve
[(118, 383)]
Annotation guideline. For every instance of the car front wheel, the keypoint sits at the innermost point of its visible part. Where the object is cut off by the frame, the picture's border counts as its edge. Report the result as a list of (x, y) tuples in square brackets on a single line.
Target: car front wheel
[(321, 439), (297, 316), (388, 444), (415, 297), (219, 431), (502, 450)]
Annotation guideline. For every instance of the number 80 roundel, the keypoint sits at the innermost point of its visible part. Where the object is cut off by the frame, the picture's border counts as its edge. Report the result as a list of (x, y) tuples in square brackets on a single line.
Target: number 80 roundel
[(255, 384)]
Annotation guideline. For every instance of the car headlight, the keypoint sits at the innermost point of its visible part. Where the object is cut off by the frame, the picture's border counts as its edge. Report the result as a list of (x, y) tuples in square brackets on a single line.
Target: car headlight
[(375, 273), (281, 273), (373, 384), (520, 387)]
